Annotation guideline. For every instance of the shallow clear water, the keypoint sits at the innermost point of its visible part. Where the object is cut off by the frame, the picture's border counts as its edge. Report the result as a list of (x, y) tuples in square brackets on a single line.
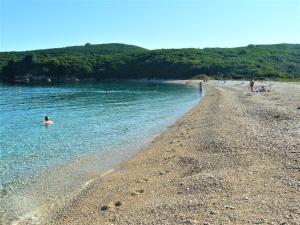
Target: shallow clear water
[(112, 119)]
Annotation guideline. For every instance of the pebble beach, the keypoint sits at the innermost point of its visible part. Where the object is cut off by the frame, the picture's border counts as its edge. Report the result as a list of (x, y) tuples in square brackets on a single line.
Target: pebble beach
[(233, 159)]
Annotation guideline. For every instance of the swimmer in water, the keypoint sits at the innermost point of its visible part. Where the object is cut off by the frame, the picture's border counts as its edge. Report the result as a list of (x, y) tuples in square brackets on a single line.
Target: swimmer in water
[(47, 121)]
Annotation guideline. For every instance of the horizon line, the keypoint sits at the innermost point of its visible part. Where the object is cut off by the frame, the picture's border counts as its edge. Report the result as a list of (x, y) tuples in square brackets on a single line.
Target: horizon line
[(150, 49)]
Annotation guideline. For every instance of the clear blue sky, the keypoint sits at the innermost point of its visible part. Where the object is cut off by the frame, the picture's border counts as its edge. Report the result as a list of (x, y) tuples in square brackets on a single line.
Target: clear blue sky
[(39, 24)]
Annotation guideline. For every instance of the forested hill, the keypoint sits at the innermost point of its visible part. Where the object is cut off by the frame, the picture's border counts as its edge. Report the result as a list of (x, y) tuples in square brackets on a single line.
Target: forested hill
[(120, 61), (86, 50)]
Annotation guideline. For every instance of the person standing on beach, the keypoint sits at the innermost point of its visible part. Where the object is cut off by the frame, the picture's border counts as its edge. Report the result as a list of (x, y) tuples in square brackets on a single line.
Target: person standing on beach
[(200, 86), (251, 84)]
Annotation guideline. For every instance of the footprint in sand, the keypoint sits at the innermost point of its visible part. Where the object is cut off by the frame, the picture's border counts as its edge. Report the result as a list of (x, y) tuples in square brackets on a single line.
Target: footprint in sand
[(143, 180), (107, 207), (117, 203), (104, 208), (162, 173), (137, 192)]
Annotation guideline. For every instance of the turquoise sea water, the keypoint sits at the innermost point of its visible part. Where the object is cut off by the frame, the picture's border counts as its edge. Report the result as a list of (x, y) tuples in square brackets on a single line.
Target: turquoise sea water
[(95, 125)]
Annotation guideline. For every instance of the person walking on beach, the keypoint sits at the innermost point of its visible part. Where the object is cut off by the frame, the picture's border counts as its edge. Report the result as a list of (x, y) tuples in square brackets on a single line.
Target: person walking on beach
[(251, 84)]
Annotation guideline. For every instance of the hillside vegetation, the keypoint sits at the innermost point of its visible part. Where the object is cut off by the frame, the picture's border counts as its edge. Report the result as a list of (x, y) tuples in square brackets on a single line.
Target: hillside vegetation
[(120, 61)]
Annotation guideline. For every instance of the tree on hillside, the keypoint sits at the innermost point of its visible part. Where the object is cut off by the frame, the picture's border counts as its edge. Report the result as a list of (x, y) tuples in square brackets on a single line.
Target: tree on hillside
[(8, 71)]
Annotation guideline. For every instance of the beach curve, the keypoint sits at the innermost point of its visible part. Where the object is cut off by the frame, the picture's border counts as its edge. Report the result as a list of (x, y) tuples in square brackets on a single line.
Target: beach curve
[(233, 159)]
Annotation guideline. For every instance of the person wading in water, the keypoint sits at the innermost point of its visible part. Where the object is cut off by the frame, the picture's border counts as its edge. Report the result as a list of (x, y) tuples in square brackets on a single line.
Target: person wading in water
[(200, 86)]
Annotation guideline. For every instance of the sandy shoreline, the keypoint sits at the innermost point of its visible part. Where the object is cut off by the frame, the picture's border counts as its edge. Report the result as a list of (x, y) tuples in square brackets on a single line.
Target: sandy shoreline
[(233, 159)]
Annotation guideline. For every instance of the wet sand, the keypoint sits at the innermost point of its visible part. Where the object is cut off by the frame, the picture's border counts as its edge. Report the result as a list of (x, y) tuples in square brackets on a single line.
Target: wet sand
[(233, 159)]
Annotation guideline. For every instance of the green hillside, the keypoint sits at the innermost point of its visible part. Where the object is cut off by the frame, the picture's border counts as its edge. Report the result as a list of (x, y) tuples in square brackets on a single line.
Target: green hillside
[(86, 50), (119, 61)]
